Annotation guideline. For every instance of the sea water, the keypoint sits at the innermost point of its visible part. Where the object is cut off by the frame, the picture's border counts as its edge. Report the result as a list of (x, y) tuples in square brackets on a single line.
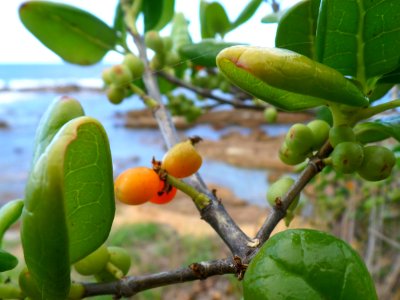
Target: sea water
[(25, 95)]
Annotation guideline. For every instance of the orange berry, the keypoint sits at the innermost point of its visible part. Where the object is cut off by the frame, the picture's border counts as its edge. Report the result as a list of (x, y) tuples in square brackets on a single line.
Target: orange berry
[(136, 185), (165, 193), (182, 160)]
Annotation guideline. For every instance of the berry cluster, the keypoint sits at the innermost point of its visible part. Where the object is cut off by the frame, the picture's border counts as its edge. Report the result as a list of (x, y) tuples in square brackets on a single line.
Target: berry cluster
[(371, 162), (118, 77), (139, 185), (105, 263)]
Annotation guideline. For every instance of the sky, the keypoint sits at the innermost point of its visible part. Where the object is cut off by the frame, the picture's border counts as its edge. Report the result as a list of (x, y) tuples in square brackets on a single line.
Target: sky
[(18, 45)]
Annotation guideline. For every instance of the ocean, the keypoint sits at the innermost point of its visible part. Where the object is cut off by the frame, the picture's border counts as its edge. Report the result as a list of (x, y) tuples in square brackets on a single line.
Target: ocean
[(27, 90)]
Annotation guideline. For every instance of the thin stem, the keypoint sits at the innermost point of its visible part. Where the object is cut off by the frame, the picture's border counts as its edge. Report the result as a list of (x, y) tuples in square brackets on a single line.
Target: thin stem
[(206, 93), (214, 213), (132, 285), (374, 110), (314, 166)]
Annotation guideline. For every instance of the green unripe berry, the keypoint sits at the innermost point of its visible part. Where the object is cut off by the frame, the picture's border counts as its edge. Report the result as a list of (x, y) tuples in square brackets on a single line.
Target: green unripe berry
[(167, 41), (279, 189), (120, 258), (172, 59), (157, 62), (134, 64), (106, 76), (300, 138), (377, 164), (116, 94), (347, 157), (320, 130), (120, 75), (118, 265), (270, 114), (225, 86), (154, 41), (94, 262), (290, 156), (340, 134)]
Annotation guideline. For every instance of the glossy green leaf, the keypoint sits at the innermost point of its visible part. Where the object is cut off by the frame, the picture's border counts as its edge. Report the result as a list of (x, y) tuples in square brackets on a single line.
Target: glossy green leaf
[(307, 264), (9, 214), (204, 30), (248, 11), (7, 261), (75, 35), (119, 24), (392, 77), (359, 38), (205, 52), (69, 204), (58, 113), (215, 20), (157, 13), (297, 28), (286, 79), (378, 130), (166, 15)]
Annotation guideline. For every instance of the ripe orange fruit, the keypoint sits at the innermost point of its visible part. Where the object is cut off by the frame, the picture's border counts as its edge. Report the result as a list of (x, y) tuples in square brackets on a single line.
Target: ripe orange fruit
[(136, 185), (182, 160), (165, 194)]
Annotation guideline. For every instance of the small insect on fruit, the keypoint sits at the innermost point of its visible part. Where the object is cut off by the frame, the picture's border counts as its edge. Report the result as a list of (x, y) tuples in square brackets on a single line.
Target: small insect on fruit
[(182, 160), (136, 185)]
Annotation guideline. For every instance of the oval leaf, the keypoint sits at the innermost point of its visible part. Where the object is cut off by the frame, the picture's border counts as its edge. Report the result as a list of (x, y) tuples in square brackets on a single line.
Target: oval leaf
[(57, 114), (75, 35), (297, 28), (359, 38), (378, 130), (216, 20), (246, 13), (288, 72), (69, 204), (205, 52), (7, 261), (9, 214), (307, 264)]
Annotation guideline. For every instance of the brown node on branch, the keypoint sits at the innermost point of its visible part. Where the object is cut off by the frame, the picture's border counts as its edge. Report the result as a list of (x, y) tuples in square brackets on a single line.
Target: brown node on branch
[(240, 267), (199, 270), (278, 203), (214, 193), (195, 139)]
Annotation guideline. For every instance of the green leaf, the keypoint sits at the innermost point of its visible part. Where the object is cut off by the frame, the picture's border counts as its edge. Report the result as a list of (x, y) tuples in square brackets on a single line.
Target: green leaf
[(7, 261), (166, 15), (75, 35), (297, 28), (69, 204), (157, 13), (205, 52), (119, 24), (307, 264), (359, 38), (58, 113), (215, 20), (286, 79), (392, 77), (274, 17), (246, 13), (9, 214), (378, 130)]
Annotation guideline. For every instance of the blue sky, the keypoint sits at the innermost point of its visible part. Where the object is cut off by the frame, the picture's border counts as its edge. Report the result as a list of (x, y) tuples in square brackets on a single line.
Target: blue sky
[(19, 46)]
